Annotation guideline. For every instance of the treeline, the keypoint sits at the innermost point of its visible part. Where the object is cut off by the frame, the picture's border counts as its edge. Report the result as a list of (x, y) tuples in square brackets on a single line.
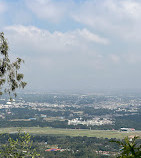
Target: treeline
[(124, 121), (129, 121)]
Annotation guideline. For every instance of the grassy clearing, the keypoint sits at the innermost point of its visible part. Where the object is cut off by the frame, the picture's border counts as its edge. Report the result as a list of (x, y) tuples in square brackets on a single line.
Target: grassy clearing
[(72, 132), (51, 119)]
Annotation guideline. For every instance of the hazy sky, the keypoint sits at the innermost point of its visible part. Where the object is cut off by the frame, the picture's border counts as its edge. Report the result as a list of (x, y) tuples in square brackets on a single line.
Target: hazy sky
[(75, 44)]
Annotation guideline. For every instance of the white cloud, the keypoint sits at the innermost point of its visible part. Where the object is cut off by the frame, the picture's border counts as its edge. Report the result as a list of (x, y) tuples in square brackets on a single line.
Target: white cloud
[(115, 17), (56, 56), (82, 47), (44, 41), (71, 59), (92, 37), (49, 9)]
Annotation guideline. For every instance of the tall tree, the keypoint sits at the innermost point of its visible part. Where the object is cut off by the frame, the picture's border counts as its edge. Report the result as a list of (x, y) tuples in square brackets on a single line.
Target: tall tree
[(10, 77)]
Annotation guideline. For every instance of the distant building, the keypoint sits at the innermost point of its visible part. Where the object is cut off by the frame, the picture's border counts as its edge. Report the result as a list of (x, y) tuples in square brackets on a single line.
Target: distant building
[(8, 103), (127, 129), (96, 121), (44, 116), (53, 149), (32, 119)]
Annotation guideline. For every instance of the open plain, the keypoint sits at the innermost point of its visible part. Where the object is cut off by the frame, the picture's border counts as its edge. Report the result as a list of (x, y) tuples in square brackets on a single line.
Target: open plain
[(72, 132)]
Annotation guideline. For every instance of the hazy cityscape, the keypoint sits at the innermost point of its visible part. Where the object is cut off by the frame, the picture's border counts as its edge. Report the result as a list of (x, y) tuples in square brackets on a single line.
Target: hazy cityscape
[(49, 113), (89, 110)]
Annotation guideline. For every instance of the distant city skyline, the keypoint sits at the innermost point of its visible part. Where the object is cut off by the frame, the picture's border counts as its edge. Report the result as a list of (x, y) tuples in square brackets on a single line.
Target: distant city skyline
[(75, 44)]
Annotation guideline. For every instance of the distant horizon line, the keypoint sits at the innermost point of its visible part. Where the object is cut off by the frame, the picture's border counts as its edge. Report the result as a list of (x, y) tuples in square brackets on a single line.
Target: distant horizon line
[(84, 91)]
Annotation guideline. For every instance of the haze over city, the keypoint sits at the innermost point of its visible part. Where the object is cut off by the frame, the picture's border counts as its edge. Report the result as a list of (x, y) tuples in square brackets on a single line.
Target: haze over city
[(75, 44)]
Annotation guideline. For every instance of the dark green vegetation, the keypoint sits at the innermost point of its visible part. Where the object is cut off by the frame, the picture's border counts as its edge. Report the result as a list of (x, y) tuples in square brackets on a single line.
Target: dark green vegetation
[(71, 147), (130, 148), (10, 78), (24, 145), (20, 146)]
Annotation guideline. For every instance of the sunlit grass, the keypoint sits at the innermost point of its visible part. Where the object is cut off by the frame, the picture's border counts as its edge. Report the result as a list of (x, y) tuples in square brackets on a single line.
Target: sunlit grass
[(72, 132)]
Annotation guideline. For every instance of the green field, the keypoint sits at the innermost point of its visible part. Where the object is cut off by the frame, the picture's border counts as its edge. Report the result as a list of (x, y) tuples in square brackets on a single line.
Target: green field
[(72, 132)]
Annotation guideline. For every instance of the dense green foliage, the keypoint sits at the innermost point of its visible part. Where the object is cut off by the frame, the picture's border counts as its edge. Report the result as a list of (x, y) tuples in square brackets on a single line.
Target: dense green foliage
[(24, 145), (71, 147), (21, 147), (129, 148)]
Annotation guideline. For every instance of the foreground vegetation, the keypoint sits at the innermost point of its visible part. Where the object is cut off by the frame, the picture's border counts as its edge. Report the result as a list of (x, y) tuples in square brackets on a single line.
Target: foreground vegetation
[(23, 145), (20, 146), (129, 148)]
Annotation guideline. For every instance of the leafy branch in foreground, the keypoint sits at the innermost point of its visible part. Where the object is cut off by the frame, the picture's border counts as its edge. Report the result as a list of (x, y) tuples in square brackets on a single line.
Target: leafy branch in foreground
[(22, 147), (10, 78), (129, 148)]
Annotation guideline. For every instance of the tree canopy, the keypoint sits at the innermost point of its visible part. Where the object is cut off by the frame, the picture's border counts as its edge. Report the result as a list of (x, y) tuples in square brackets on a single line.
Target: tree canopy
[(129, 148), (10, 77), (22, 147)]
